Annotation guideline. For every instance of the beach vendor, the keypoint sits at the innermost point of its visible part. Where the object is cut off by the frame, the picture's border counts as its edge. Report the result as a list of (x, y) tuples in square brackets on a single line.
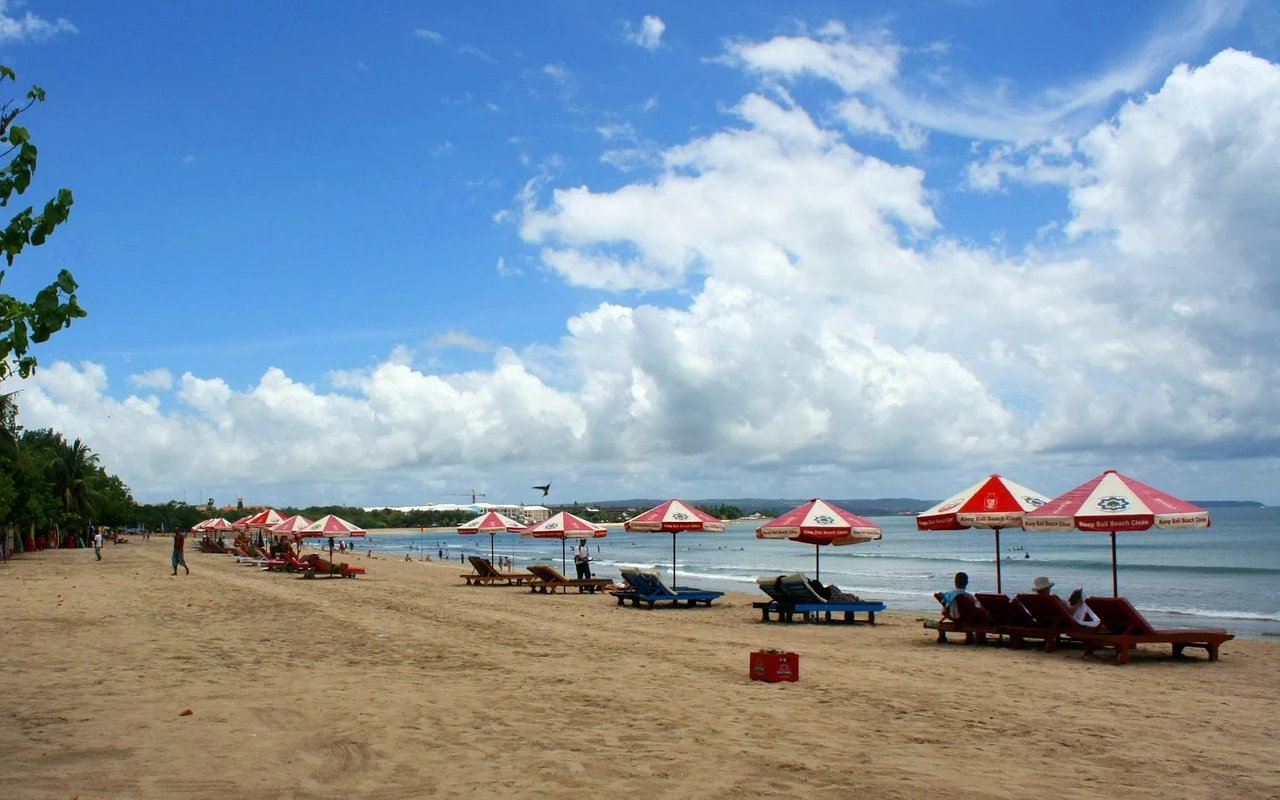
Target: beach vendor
[(582, 560), (948, 598)]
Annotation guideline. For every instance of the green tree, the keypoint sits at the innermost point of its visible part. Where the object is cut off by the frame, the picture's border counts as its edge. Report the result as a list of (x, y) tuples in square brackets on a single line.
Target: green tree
[(23, 323), (72, 472)]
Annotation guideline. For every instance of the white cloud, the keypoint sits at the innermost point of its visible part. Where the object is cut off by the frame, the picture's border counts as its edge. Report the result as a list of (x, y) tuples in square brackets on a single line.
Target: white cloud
[(457, 340), (158, 378), (428, 35), (813, 327), (648, 34), (29, 27)]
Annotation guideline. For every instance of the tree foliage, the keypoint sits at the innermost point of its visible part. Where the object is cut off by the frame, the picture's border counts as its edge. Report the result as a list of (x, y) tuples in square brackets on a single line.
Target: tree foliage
[(24, 323)]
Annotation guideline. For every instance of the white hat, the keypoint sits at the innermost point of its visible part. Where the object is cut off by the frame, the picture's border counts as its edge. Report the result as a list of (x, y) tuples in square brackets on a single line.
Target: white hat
[(1041, 583)]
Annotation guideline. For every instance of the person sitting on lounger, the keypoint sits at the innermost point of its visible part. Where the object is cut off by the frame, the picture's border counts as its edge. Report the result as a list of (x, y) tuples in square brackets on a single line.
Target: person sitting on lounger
[(948, 598), (1080, 610), (833, 594)]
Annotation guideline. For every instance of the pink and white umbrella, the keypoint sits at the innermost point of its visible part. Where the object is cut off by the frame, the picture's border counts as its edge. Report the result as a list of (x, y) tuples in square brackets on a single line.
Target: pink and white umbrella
[(217, 524), (564, 526), (200, 526), (262, 520), (995, 503), (492, 523), (295, 524), (673, 517), (1112, 503), (818, 522), (330, 526)]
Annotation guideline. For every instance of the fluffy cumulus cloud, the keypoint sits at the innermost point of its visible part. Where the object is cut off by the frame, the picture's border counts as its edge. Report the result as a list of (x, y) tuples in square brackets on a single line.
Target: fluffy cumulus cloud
[(788, 313), (648, 34), (17, 26)]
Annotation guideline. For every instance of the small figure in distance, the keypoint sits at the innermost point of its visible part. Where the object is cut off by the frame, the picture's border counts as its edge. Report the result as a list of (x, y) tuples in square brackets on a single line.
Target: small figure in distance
[(1080, 611), (582, 560), (948, 598), (179, 539)]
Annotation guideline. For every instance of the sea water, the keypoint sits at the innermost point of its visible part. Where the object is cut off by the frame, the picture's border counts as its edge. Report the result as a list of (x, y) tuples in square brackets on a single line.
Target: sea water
[(1225, 576)]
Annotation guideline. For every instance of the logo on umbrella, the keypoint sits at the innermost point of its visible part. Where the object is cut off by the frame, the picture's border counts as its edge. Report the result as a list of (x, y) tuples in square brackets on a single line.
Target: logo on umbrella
[(680, 515), (551, 526), (1112, 503), (824, 519), (949, 506), (1032, 501)]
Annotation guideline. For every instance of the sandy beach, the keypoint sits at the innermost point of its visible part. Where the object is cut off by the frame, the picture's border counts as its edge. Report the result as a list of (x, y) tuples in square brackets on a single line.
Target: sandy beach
[(404, 683)]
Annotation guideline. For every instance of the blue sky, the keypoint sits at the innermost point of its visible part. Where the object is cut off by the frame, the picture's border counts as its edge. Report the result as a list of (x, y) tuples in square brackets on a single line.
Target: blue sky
[(386, 254)]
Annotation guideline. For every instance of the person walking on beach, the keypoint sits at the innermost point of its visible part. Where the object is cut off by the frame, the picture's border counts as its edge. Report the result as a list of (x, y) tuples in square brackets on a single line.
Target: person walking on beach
[(582, 560), (97, 543), (179, 539)]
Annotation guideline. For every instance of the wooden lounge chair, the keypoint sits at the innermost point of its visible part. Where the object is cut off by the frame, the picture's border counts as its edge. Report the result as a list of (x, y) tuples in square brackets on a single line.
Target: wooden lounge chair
[(547, 579), (323, 567), (1055, 620), (245, 557), (1013, 620), (486, 574), (1125, 627), (971, 620), (796, 595), (648, 588)]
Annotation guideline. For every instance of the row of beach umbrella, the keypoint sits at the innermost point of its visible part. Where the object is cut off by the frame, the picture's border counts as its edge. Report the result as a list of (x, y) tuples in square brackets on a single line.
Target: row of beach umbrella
[(1110, 503)]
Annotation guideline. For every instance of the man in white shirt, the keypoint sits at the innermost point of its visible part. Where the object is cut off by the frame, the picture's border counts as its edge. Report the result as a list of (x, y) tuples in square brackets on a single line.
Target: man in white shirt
[(582, 560), (97, 543)]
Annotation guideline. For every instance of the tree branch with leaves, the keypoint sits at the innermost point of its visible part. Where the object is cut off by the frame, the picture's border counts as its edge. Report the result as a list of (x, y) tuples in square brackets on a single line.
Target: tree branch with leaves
[(25, 323)]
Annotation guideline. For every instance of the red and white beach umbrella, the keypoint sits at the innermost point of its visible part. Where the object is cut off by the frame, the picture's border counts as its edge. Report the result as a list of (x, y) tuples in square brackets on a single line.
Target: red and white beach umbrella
[(492, 523), (673, 517), (1112, 503), (200, 526), (262, 520), (215, 525), (564, 526), (295, 524), (818, 522), (330, 526), (995, 503)]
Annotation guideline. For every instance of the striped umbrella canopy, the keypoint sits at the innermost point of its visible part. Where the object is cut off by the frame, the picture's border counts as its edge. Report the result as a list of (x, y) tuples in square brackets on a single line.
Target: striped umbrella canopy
[(492, 523), (818, 522), (994, 502), (200, 526), (1113, 503), (216, 524), (330, 526), (292, 525), (673, 517), (262, 520), (564, 526)]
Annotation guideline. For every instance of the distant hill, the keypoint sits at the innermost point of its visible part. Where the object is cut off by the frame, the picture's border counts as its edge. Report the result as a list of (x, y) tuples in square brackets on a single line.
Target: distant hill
[(1229, 504)]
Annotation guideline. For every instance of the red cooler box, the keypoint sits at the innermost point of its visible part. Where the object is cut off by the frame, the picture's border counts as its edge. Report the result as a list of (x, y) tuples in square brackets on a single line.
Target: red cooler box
[(774, 666)]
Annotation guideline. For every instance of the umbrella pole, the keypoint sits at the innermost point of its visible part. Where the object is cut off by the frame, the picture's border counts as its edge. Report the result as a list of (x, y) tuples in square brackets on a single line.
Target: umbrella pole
[(1115, 585), (491, 548), (564, 559), (673, 559), (998, 589), (817, 562)]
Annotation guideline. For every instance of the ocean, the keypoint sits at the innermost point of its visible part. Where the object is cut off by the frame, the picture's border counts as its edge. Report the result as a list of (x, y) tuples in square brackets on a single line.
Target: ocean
[(1225, 576)]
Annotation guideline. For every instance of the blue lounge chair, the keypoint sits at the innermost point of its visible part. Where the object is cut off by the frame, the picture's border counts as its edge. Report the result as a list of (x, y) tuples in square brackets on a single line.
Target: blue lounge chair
[(800, 598), (648, 588)]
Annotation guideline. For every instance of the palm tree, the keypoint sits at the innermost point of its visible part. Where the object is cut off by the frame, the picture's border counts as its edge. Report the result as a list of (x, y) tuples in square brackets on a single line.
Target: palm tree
[(71, 472)]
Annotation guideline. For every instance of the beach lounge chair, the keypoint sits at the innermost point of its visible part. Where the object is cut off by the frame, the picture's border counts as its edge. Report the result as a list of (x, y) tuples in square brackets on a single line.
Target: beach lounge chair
[(323, 567), (1054, 619), (245, 557), (1125, 627), (1013, 620), (648, 588), (795, 594), (971, 620), (547, 579), (486, 574)]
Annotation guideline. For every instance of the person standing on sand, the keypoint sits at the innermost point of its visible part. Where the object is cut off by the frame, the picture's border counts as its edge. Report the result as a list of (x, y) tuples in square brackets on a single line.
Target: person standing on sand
[(179, 539), (97, 543), (582, 560)]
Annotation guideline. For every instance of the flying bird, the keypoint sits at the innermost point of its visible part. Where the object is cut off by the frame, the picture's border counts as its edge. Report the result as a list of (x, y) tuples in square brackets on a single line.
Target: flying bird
[(546, 487)]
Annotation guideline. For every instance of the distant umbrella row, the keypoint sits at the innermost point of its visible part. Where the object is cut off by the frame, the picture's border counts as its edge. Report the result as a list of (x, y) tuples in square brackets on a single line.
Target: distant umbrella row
[(272, 522), (1110, 503)]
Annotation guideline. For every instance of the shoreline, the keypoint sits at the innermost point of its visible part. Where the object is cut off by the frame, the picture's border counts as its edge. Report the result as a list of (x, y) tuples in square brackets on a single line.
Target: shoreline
[(403, 682)]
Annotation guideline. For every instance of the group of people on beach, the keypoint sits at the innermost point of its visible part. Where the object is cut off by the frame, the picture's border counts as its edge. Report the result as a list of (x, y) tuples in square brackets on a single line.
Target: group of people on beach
[(1080, 611)]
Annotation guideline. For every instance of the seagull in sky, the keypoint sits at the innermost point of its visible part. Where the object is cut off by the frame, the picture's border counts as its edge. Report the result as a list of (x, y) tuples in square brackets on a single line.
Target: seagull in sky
[(546, 487)]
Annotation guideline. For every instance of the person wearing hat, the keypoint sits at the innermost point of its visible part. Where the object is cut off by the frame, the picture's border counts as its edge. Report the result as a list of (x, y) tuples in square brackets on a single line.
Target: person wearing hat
[(1041, 585)]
